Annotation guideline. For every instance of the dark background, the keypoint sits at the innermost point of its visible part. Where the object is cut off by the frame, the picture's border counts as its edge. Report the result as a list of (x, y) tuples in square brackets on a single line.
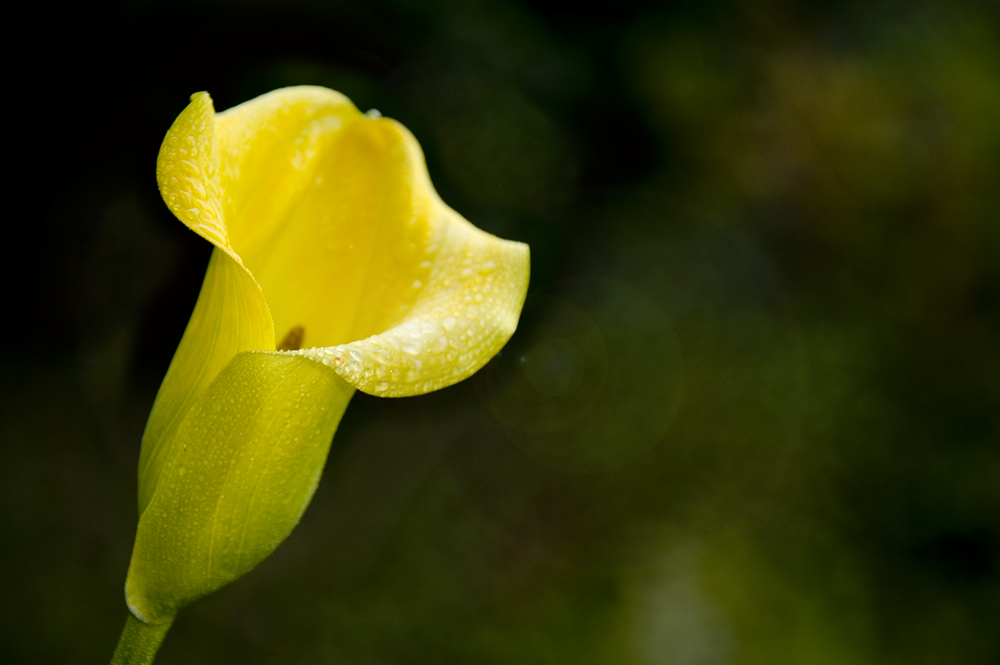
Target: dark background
[(751, 412)]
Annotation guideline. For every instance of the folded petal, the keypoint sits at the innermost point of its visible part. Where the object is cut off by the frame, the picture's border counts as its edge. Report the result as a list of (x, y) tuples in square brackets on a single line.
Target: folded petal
[(334, 215), (393, 288), (231, 315), (464, 299), (270, 149), (322, 208), (255, 445), (465, 313)]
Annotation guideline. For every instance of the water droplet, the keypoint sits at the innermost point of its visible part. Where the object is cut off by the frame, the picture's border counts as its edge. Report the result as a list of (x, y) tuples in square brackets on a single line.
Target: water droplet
[(478, 297), (413, 347), (417, 284), (449, 322), (382, 386), (351, 248)]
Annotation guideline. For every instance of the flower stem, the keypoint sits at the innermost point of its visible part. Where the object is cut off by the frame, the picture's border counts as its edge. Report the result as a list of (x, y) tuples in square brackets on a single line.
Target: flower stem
[(139, 642)]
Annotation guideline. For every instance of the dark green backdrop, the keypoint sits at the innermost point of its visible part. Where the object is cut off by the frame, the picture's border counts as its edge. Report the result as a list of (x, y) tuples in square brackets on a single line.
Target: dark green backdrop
[(751, 413)]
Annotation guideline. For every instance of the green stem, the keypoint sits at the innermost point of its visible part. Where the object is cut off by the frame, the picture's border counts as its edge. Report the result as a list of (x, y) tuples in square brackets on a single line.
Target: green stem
[(139, 642)]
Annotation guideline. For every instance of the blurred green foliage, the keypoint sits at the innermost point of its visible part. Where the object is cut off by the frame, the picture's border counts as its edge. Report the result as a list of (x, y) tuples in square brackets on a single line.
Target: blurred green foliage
[(751, 412)]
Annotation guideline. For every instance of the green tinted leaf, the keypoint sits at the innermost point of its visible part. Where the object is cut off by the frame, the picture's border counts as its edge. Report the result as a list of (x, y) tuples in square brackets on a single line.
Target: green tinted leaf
[(251, 451), (230, 317)]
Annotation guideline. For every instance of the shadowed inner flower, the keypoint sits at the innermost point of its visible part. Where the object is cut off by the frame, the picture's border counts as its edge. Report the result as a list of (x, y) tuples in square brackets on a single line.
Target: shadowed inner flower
[(347, 255)]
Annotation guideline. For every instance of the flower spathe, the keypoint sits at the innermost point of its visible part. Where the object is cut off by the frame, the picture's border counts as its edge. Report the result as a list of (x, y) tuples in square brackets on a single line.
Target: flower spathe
[(336, 267)]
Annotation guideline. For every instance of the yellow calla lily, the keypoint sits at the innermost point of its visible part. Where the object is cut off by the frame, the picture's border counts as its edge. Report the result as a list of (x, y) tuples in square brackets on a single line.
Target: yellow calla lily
[(328, 234)]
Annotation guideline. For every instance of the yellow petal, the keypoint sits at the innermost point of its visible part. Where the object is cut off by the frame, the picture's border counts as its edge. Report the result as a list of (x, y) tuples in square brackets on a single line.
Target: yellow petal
[(462, 318), (470, 287), (323, 213), (254, 448), (328, 231), (335, 216), (230, 317), (270, 149)]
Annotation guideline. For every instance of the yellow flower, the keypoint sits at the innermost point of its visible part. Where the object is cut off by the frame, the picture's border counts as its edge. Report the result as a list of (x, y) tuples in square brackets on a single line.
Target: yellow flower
[(328, 234)]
